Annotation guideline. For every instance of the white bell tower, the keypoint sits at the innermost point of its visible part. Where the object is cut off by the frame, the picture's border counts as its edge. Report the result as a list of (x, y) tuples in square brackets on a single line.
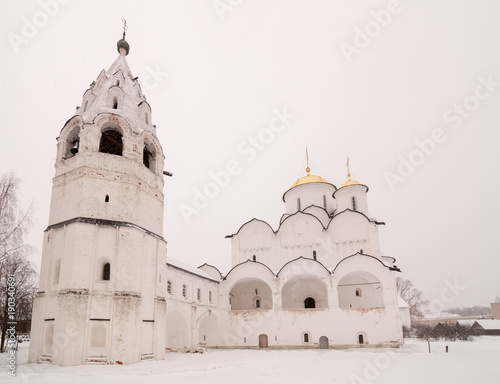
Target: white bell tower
[(102, 288)]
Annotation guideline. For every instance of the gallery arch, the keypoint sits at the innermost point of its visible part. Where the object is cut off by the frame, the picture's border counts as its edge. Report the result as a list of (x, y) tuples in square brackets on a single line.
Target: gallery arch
[(304, 291), (177, 332), (208, 330), (360, 289), (251, 293)]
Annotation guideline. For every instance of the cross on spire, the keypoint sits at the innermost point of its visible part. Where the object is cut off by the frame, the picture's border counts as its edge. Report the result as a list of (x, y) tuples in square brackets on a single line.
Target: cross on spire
[(348, 169), (125, 27), (307, 161)]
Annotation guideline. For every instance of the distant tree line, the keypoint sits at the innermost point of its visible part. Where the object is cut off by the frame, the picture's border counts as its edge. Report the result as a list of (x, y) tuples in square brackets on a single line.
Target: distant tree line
[(471, 311), (445, 331)]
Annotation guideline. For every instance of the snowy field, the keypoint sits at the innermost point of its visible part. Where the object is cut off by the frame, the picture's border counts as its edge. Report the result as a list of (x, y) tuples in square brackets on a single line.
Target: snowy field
[(467, 362)]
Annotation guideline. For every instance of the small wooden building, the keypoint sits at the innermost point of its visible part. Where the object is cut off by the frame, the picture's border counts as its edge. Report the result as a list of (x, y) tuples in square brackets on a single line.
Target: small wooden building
[(486, 327)]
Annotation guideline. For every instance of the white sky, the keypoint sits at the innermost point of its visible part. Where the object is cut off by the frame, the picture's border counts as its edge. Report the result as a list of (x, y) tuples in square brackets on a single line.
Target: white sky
[(227, 74)]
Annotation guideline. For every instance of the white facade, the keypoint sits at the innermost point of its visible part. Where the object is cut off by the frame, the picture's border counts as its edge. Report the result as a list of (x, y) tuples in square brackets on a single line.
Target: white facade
[(102, 286), (108, 293), (318, 281)]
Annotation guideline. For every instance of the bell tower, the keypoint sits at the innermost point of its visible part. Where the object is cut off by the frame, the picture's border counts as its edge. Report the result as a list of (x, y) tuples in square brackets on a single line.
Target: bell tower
[(102, 288)]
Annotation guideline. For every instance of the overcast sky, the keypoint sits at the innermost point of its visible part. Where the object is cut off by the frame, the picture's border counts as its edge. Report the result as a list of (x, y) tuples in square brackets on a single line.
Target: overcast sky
[(372, 80)]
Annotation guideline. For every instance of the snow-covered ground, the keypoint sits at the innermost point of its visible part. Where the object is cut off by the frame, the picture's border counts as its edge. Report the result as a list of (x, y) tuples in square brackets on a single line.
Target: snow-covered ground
[(475, 361)]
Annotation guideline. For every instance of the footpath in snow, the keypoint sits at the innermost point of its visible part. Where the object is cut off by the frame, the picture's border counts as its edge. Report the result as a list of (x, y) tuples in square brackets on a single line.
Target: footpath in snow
[(468, 362)]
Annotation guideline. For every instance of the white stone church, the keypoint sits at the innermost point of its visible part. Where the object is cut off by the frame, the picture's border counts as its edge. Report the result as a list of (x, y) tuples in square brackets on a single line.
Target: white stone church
[(109, 294)]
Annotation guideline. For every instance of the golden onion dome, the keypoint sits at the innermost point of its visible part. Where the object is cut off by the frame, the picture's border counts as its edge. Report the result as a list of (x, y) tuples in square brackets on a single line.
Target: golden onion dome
[(352, 182), (307, 179)]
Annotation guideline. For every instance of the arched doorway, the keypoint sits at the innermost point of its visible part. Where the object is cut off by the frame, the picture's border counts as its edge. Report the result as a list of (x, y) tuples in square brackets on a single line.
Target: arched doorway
[(309, 303), (263, 341), (323, 343)]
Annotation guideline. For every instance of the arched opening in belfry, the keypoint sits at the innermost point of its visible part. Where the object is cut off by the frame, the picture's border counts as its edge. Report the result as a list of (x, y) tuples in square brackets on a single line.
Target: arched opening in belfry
[(149, 156), (72, 143), (111, 142)]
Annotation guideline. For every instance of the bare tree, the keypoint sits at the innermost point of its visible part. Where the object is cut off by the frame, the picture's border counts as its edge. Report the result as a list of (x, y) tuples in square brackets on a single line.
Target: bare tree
[(17, 275), (427, 333), (413, 297), (14, 223)]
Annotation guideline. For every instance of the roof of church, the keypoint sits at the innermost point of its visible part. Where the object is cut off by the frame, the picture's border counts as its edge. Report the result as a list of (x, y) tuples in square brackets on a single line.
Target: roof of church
[(309, 179), (189, 269), (352, 182)]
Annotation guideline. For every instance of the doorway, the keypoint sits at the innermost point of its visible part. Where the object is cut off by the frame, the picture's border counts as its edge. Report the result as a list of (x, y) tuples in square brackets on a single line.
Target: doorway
[(263, 341), (323, 343)]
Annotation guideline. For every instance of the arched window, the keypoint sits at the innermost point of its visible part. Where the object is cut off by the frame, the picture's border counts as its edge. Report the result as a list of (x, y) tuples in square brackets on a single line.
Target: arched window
[(111, 142), (324, 201), (354, 205), (306, 337), (309, 303), (254, 258), (184, 290), (257, 303), (198, 294), (169, 287), (210, 296), (361, 339), (358, 292), (106, 271), (115, 102), (314, 255)]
